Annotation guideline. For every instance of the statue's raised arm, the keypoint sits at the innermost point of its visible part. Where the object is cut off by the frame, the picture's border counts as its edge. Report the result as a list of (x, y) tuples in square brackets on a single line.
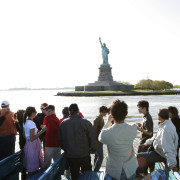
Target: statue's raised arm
[(100, 41)]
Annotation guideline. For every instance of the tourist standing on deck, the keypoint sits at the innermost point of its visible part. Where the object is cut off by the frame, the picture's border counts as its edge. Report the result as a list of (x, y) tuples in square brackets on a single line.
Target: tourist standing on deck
[(76, 138), (18, 117), (52, 150), (165, 145), (98, 124), (119, 137), (146, 131), (7, 131), (33, 158), (174, 116), (65, 113), (39, 122)]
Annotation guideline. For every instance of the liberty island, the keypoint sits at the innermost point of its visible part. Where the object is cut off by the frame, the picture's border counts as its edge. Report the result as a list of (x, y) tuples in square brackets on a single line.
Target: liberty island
[(105, 80)]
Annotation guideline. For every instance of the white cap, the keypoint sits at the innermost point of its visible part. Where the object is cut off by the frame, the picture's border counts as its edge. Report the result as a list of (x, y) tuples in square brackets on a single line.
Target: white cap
[(4, 103)]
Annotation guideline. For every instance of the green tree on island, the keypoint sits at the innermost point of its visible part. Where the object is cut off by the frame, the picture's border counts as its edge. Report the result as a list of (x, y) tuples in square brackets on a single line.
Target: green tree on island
[(149, 84)]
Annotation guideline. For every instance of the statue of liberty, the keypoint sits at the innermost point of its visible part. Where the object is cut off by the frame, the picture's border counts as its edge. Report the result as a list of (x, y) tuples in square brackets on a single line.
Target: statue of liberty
[(105, 52)]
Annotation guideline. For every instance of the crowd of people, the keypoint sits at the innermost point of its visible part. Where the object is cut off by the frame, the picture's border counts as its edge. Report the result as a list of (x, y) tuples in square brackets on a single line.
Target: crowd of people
[(43, 135)]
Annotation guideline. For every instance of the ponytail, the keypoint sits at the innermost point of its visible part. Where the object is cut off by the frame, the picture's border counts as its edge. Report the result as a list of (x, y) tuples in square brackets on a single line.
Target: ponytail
[(25, 117), (29, 111)]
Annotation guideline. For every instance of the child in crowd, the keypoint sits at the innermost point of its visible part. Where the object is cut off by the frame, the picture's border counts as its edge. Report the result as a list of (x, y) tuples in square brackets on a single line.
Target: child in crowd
[(33, 158)]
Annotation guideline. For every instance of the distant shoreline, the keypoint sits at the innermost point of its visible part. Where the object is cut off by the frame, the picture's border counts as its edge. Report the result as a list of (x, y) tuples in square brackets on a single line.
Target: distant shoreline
[(116, 93), (30, 89)]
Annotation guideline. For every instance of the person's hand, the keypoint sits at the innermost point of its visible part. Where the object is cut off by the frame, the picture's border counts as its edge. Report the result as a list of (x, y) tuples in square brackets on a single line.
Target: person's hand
[(92, 151), (173, 169), (41, 126), (139, 124), (139, 128), (110, 118), (142, 146)]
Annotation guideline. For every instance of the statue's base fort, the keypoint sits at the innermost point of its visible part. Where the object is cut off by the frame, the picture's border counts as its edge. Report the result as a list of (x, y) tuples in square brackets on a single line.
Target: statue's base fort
[(105, 82)]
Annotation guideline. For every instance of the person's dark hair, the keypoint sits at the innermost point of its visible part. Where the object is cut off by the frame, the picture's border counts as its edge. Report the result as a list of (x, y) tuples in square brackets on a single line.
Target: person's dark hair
[(73, 108), (143, 104), (44, 104), (119, 110), (65, 111), (174, 111), (20, 115), (103, 109), (164, 113), (28, 112)]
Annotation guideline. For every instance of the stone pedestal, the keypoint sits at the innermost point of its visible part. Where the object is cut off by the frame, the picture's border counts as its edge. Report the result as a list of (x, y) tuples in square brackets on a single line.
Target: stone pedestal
[(105, 73), (105, 82)]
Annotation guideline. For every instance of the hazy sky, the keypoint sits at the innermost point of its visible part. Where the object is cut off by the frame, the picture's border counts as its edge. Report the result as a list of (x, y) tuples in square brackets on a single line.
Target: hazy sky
[(56, 43)]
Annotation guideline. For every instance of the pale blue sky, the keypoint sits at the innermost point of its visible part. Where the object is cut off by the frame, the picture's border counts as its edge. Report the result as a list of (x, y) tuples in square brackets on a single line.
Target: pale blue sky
[(56, 43)]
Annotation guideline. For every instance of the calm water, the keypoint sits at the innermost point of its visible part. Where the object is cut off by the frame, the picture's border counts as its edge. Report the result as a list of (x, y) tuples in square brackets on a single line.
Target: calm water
[(88, 105)]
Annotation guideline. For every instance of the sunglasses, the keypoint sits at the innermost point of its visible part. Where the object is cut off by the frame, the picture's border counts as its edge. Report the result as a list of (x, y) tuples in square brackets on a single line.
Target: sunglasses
[(48, 110)]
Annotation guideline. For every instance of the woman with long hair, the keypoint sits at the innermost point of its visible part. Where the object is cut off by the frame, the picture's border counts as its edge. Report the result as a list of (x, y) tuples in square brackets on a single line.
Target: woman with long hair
[(33, 158), (174, 116)]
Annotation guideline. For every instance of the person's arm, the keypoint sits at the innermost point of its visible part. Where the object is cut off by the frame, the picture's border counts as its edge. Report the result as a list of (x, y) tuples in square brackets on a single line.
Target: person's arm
[(91, 137), (100, 42), (18, 127), (104, 136), (34, 137), (145, 132), (149, 127), (149, 141), (169, 146), (2, 118), (109, 122), (60, 136), (95, 127)]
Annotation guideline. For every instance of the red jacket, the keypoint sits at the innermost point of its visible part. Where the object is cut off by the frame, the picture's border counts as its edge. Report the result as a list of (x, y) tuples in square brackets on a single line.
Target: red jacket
[(52, 124)]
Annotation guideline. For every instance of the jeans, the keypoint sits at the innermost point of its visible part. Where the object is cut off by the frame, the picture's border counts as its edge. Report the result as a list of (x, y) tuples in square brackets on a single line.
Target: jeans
[(98, 159), (123, 176), (77, 163), (51, 153), (145, 158)]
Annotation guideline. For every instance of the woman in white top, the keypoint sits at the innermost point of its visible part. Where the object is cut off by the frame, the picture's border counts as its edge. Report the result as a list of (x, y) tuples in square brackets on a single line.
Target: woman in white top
[(121, 161), (33, 158)]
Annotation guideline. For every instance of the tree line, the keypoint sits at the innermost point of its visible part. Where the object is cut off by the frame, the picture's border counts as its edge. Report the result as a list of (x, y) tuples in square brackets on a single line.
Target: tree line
[(148, 84)]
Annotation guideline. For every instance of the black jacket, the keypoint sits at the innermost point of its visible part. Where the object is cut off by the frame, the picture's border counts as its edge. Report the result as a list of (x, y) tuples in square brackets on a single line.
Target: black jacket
[(76, 137)]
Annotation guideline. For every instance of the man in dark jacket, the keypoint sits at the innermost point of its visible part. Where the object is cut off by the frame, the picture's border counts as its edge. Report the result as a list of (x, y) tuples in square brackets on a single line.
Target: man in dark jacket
[(76, 138)]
